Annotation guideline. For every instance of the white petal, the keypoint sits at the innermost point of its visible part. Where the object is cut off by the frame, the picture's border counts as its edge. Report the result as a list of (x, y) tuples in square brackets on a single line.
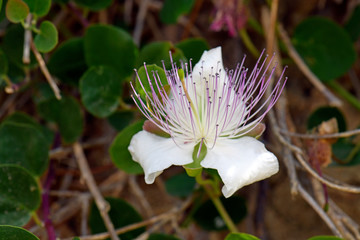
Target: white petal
[(240, 162), (155, 153), (210, 61)]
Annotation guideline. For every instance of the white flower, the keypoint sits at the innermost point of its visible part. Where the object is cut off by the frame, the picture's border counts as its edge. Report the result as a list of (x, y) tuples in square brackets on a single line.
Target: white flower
[(214, 110)]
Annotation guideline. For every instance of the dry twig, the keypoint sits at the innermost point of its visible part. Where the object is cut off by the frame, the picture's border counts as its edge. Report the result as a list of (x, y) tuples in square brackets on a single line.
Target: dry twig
[(305, 69), (45, 71), (102, 205)]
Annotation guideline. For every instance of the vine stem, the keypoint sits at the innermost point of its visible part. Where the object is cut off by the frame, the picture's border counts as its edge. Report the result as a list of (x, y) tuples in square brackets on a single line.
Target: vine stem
[(211, 191), (345, 94), (248, 43)]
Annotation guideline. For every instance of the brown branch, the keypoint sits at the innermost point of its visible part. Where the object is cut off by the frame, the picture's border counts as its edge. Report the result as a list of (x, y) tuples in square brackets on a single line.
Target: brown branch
[(27, 40), (102, 205), (140, 18), (159, 218), (45, 71), (305, 69), (317, 136)]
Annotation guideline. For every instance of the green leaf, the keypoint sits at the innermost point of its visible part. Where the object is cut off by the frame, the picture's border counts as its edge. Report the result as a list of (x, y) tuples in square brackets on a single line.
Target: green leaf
[(325, 238), (180, 185), (160, 236), (1, 2), (15, 233), (4, 65), (19, 195), (120, 119), (94, 5), (119, 149), (24, 119), (209, 219), (326, 113), (172, 10), (156, 52), (39, 8), (47, 39), (66, 113), (111, 46), (193, 48), (352, 26), (325, 47), (121, 214), (67, 62), (24, 145), (16, 10), (100, 89), (13, 43), (143, 73), (240, 236)]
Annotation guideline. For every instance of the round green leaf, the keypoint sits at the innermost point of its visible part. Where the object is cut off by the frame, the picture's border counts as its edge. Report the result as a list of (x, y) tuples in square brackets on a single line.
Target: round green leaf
[(325, 47), (39, 8), (15, 233), (12, 45), (24, 119), (180, 185), (173, 9), (160, 236), (325, 238), (121, 214), (47, 39), (120, 119), (16, 10), (193, 48), (326, 113), (4, 65), (67, 62), (19, 195), (143, 73), (24, 145), (240, 236), (119, 149), (209, 219), (94, 5), (156, 52), (66, 113), (111, 46), (100, 89)]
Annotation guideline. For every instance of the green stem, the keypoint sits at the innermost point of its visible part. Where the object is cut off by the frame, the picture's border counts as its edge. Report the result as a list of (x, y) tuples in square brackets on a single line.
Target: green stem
[(210, 190), (345, 94), (353, 152), (248, 43)]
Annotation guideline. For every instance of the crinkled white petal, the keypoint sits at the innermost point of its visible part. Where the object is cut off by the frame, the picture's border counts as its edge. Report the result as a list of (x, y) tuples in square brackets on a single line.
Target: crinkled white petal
[(240, 162), (155, 153), (210, 62)]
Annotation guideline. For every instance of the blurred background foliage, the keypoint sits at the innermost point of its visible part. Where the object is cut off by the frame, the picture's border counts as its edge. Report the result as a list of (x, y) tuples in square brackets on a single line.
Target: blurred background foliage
[(65, 73)]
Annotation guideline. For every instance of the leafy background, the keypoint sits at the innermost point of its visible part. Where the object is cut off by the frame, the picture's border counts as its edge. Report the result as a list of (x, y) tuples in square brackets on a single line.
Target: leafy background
[(69, 86)]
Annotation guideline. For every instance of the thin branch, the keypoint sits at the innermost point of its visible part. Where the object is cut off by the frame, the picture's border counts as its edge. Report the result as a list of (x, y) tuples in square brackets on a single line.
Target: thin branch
[(140, 195), (271, 32), (162, 217), (45, 71), (305, 69), (27, 40), (317, 136), (310, 200), (102, 205), (140, 19)]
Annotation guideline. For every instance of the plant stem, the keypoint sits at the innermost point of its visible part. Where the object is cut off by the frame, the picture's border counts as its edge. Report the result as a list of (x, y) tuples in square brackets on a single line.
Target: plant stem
[(248, 43), (345, 94), (210, 190)]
